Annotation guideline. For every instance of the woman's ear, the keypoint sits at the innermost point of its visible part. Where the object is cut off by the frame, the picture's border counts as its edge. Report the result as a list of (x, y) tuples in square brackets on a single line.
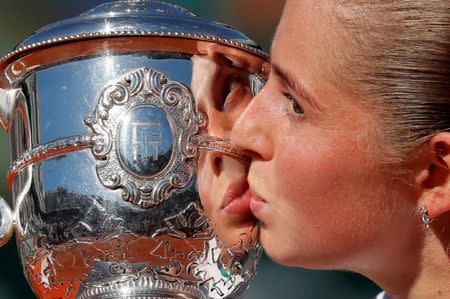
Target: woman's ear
[(434, 178)]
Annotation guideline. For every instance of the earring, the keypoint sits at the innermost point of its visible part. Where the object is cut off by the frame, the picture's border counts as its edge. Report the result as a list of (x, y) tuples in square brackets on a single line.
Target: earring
[(425, 218)]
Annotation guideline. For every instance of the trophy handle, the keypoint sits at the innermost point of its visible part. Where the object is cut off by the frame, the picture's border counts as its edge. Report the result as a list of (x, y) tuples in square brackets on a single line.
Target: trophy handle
[(10, 101), (6, 222)]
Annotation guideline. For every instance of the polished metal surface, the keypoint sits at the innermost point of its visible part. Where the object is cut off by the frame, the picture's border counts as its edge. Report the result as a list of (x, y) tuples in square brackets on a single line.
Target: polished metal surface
[(128, 18), (6, 226), (12, 101), (125, 184)]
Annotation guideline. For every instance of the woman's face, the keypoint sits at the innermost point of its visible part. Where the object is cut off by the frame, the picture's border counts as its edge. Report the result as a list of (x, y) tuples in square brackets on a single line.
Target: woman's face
[(318, 189)]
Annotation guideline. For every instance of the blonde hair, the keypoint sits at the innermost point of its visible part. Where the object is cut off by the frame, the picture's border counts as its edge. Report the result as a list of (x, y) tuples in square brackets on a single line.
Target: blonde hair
[(399, 58)]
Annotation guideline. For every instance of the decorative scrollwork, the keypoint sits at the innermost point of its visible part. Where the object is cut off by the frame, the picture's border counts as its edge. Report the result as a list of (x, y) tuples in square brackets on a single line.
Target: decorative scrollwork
[(143, 125)]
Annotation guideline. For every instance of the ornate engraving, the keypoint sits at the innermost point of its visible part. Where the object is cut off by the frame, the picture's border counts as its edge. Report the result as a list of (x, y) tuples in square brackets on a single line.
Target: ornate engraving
[(219, 145), (215, 267), (145, 286), (191, 222), (144, 124), (141, 6)]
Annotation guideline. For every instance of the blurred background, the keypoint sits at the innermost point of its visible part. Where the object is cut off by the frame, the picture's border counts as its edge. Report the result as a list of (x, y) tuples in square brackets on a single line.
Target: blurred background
[(256, 18)]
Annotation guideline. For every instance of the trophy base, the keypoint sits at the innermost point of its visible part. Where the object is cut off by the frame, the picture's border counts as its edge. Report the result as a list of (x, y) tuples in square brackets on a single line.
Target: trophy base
[(144, 287)]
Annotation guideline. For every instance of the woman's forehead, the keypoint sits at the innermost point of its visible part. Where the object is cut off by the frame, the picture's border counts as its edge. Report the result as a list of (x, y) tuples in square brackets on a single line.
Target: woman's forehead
[(306, 40), (307, 21)]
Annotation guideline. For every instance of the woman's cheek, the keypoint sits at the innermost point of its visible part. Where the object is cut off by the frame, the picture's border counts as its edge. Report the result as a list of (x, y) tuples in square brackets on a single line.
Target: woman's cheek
[(314, 182), (305, 170)]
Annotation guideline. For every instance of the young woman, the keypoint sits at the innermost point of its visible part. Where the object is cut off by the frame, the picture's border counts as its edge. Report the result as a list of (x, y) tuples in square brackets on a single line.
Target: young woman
[(349, 143)]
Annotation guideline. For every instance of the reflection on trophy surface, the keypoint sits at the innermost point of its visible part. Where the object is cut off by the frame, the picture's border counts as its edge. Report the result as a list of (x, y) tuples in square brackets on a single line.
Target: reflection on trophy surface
[(124, 182), (222, 179)]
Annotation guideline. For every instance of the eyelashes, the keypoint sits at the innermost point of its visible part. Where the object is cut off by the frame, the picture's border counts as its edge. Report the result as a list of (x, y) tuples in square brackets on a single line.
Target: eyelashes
[(295, 107)]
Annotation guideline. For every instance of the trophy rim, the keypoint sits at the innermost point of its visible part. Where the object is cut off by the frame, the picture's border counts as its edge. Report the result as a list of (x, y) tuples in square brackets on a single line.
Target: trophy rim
[(17, 67)]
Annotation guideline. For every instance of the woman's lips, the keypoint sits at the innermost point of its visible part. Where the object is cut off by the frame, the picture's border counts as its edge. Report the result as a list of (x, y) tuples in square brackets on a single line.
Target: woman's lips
[(256, 204), (236, 200)]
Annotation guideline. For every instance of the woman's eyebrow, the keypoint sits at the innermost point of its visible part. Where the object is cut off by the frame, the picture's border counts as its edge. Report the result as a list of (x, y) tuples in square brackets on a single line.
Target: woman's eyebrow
[(295, 85)]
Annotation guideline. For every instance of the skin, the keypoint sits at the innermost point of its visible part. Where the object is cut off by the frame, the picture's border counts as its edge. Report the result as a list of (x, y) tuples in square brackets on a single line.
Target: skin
[(321, 189), (221, 94)]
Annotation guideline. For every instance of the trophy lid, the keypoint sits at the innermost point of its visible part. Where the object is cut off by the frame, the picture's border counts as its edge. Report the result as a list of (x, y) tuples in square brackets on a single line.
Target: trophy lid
[(134, 18)]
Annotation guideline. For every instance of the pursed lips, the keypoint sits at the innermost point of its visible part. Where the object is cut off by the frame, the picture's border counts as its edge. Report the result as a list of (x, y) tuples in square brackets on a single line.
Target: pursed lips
[(236, 200), (257, 202)]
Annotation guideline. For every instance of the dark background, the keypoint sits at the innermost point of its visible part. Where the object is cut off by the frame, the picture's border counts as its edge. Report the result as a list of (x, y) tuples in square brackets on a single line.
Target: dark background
[(256, 18)]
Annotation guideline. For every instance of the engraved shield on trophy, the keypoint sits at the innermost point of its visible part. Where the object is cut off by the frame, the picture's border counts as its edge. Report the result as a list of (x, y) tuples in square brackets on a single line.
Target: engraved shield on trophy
[(143, 126)]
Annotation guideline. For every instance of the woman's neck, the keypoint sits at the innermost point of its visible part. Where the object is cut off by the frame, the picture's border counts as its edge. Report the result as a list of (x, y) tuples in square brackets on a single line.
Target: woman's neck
[(421, 270)]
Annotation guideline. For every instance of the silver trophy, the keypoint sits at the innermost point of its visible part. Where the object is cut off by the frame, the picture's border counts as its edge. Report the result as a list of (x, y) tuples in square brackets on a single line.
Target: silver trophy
[(124, 182)]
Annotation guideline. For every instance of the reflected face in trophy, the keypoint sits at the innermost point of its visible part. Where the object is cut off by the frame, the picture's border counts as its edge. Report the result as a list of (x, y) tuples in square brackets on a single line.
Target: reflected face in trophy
[(221, 89)]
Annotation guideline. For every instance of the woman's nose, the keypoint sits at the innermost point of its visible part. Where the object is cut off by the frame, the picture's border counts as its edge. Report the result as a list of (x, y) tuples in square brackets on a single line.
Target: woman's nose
[(252, 131)]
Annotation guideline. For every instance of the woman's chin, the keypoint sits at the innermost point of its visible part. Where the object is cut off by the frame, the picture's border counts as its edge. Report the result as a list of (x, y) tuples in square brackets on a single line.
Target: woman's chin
[(297, 260), (275, 251), (296, 255)]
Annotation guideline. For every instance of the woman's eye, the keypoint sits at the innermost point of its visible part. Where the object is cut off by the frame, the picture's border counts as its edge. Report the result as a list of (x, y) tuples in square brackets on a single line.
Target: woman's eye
[(235, 89), (295, 106)]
